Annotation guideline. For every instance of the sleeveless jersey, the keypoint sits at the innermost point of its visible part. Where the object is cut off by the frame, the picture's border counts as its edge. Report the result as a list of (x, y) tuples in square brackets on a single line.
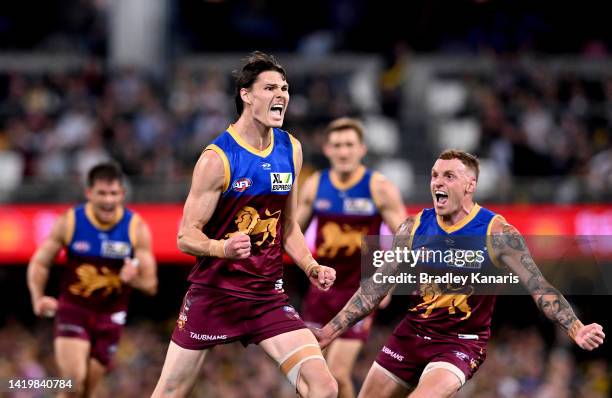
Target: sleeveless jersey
[(344, 218), (95, 255), (256, 188), (445, 310)]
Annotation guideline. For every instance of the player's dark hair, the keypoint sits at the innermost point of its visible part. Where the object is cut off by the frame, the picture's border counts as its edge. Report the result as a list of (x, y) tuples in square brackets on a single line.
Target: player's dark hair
[(256, 63), (344, 123), (466, 158), (108, 171)]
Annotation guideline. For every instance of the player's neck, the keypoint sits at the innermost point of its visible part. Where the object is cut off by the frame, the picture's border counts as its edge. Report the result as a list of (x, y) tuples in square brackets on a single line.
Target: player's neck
[(345, 180), (254, 133), (344, 177), (456, 217)]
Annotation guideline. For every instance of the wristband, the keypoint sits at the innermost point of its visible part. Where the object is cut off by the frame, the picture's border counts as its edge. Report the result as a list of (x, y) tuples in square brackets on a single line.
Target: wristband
[(217, 248), (308, 264), (574, 328)]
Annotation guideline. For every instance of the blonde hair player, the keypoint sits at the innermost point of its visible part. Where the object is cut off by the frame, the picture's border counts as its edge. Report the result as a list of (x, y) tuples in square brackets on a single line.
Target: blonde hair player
[(442, 342)]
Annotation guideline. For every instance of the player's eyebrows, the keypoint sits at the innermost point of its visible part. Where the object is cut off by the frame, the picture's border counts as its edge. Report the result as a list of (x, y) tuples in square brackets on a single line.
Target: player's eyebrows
[(284, 85)]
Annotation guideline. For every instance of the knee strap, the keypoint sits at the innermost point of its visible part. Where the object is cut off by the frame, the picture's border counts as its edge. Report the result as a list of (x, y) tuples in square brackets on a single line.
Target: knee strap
[(292, 362)]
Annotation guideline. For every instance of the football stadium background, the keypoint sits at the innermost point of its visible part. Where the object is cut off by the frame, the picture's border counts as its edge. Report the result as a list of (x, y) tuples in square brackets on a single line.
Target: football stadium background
[(527, 86)]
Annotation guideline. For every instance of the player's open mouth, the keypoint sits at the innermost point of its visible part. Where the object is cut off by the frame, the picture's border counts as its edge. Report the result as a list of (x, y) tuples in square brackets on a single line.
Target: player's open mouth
[(441, 197), (277, 109)]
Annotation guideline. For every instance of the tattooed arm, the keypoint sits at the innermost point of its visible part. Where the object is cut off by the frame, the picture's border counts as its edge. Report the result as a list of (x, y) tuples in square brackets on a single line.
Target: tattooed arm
[(511, 251), (369, 295)]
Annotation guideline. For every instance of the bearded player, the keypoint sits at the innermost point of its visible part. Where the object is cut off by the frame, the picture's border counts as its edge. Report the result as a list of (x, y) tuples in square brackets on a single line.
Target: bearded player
[(442, 340), (349, 202)]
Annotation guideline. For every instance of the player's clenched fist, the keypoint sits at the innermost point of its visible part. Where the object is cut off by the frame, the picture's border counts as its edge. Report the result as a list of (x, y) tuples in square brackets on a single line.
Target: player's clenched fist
[(590, 336), (237, 247), (322, 277), (45, 306)]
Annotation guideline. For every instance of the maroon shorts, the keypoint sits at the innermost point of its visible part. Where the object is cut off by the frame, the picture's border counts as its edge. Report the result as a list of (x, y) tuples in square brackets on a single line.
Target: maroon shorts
[(320, 307), (209, 317), (408, 351), (102, 330)]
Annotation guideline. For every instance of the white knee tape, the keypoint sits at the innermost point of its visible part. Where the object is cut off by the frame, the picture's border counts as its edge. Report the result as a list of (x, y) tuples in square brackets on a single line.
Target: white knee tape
[(291, 363)]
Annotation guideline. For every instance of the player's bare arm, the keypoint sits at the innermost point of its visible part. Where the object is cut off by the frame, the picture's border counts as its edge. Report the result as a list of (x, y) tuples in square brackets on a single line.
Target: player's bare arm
[(206, 187), (295, 243), (306, 200), (511, 250), (388, 199), (141, 271), (369, 295), (38, 268)]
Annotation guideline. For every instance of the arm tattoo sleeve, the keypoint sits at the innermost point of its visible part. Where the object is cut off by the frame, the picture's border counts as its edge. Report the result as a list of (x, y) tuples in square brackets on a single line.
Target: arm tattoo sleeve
[(548, 299), (370, 294)]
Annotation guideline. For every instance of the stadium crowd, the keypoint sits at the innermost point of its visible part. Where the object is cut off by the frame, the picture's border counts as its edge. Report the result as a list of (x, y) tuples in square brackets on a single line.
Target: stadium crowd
[(519, 365), (531, 122)]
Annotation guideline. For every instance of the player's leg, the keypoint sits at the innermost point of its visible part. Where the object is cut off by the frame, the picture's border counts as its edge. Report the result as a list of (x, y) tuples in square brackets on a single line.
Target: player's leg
[(95, 372), (382, 383), (179, 372), (300, 359), (439, 380), (341, 356), (72, 357)]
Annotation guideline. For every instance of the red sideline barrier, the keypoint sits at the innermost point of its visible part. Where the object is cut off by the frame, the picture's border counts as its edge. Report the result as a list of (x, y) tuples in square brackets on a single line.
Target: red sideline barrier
[(22, 227)]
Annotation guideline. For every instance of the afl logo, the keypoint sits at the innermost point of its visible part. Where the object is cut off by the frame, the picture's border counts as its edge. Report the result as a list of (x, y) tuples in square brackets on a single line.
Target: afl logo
[(242, 184)]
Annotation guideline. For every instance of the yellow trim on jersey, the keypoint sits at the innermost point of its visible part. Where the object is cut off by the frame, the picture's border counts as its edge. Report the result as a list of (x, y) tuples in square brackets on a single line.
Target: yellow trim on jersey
[(317, 178), (352, 181), (132, 229), (417, 222), (492, 255), (70, 223), (460, 224), (89, 213), (262, 153), (226, 165), (294, 144), (375, 197)]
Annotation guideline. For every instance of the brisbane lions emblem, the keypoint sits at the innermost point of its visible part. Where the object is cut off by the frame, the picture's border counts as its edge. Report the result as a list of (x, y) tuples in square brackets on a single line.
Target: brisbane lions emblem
[(336, 238), (250, 223), (90, 280)]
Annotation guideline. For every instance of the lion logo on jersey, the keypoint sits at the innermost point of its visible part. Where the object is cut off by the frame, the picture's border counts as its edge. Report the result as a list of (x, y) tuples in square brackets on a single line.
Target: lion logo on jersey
[(336, 238), (90, 281), (250, 223), (434, 298)]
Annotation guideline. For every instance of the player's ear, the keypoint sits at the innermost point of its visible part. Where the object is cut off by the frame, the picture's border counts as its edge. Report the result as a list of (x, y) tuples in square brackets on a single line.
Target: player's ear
[(471, 187), (245, 95)]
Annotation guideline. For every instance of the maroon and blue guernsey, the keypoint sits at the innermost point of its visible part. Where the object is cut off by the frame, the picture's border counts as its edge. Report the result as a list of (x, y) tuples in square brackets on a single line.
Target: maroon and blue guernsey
[(447, 310), (256, 188), (95, 256), (345, 214)]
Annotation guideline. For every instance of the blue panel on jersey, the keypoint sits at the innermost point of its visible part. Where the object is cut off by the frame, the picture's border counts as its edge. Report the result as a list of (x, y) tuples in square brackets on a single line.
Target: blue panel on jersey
[(88, 240), (356, 200), (253, 174)]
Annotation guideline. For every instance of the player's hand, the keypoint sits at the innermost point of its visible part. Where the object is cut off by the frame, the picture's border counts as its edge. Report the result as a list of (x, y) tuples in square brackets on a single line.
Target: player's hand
[(45, 306), (323, 335), (385, 302), (237, 247), (590, 336), (322, 277), (130, 270)]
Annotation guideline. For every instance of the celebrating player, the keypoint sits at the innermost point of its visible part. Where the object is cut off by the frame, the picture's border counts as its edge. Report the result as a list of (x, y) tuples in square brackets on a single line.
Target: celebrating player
[(238, 218), (442, 340)]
